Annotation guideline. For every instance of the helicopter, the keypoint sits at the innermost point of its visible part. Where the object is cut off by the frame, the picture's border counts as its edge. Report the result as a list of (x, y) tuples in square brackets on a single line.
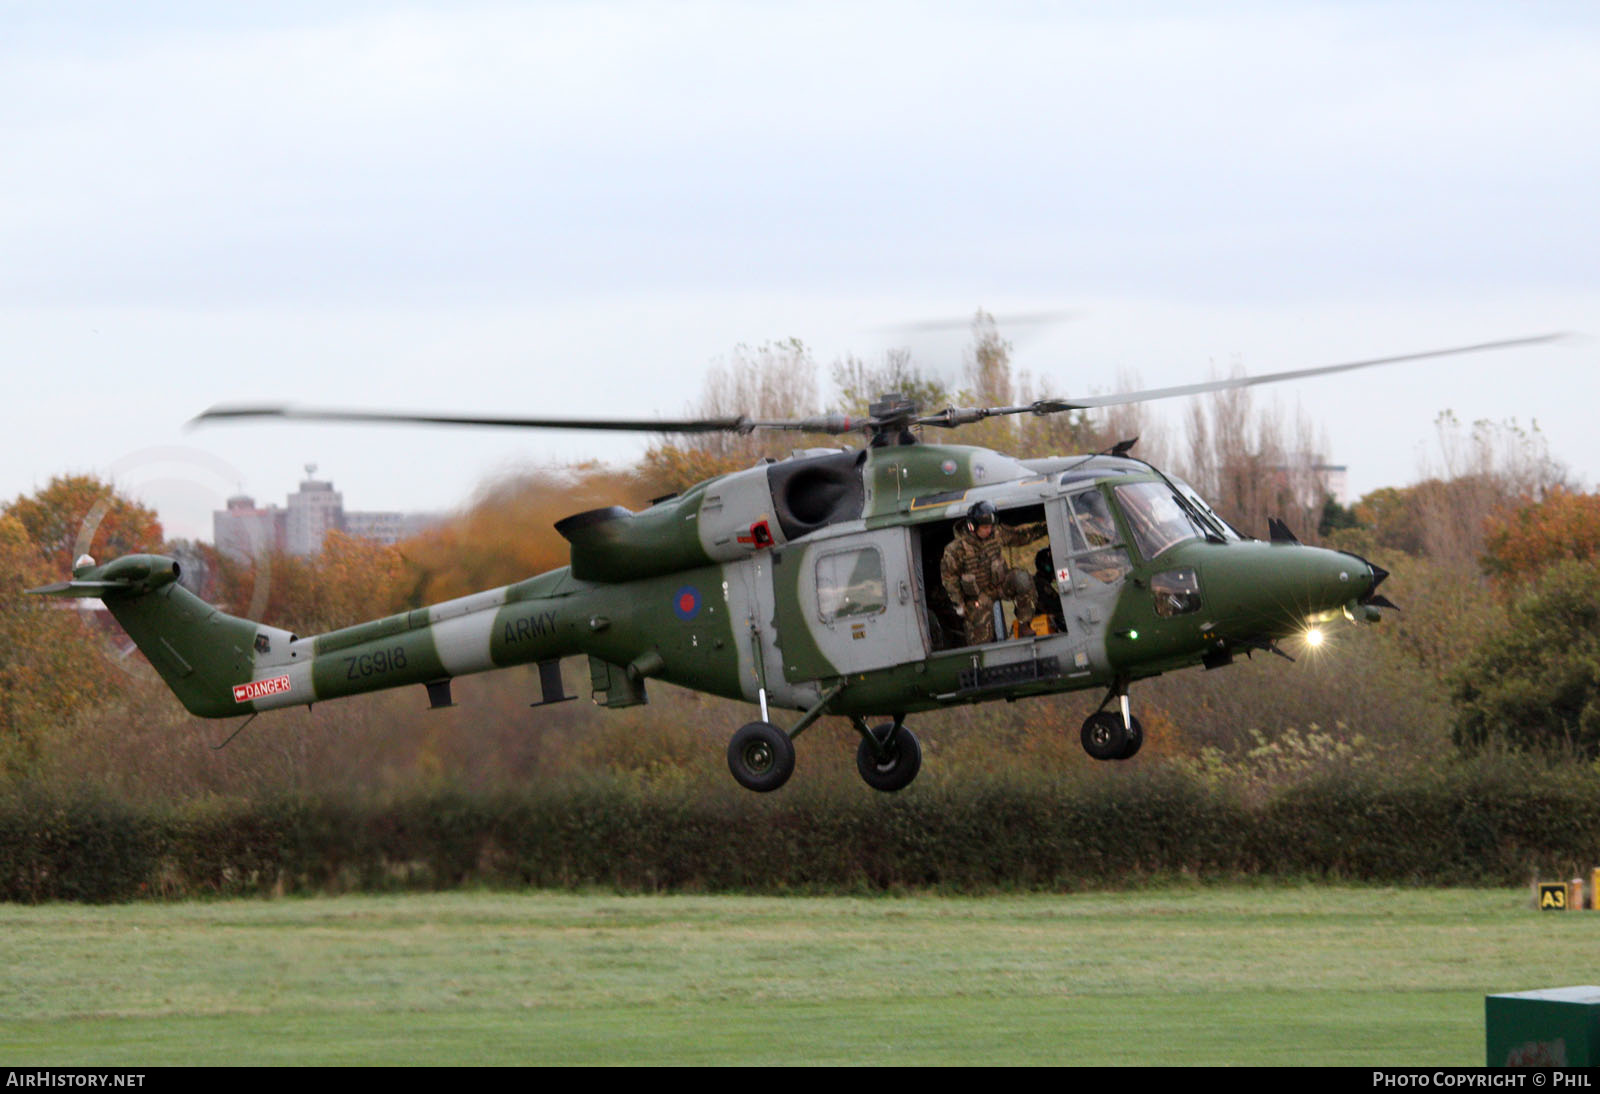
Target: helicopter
[(810, 584)]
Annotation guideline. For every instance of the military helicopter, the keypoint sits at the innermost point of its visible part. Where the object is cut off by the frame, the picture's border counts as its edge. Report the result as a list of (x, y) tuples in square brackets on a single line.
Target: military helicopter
[(810, 584)]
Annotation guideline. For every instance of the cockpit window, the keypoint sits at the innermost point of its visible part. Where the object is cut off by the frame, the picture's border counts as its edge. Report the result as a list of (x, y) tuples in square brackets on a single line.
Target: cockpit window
[(1227, 530), (1155, 517), (1094, 517), (1095, 541)]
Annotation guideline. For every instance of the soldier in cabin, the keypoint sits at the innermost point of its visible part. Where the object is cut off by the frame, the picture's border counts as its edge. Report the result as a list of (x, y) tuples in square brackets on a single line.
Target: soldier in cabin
[(975, 574)]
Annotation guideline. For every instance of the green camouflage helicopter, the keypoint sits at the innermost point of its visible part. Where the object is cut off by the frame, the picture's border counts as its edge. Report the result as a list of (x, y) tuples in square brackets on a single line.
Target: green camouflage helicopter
[(812, 584)]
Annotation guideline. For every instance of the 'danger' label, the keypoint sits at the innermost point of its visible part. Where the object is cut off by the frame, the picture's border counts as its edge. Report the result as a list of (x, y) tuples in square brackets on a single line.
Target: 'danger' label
[(243, 693)]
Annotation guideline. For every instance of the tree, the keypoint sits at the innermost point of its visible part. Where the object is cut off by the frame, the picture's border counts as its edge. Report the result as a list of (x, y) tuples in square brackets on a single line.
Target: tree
[(1394, 521), (1485, 471), (775, 380), (989, 382), (1242, 461), (1522, 544), (1336, 517), (50, 661), (81, 513), (508, 533), (859, 384), (1076, 432), (1534, 684)]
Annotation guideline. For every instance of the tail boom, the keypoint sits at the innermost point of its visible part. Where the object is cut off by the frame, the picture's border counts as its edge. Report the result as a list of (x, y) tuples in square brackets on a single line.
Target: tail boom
[(219, 665)]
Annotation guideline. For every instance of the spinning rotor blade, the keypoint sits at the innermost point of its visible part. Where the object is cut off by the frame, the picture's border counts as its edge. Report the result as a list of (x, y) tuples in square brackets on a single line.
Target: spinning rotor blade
[(1052, 406), (887, 417), (832, 423), (954, 416), (1016, 319)]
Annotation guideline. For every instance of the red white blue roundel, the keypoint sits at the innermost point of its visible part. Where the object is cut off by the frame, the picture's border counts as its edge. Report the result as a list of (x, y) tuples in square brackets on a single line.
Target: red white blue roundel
[(686, 602)]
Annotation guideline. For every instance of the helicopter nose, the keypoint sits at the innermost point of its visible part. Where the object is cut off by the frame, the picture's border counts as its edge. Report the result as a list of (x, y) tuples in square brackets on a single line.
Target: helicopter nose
[(1335, 578), (1376, 575), (1323, 584), (1283, 590), (1340, 583)]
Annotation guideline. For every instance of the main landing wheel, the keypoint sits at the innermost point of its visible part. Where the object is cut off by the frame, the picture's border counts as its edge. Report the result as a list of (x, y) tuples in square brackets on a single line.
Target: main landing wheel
[(891, 759), (761, 757), (1106, 738)]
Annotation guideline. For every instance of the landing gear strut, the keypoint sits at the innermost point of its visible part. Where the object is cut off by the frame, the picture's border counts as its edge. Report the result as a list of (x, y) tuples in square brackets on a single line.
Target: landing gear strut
[(889, 755), (1112, 734), (761, 756)]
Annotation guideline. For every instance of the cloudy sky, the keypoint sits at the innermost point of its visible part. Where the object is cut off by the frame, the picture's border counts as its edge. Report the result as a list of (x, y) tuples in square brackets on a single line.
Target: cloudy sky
[(575, 208)]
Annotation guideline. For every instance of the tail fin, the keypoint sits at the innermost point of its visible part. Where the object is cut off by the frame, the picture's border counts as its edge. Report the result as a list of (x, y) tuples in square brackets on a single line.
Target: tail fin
[(208, 658)]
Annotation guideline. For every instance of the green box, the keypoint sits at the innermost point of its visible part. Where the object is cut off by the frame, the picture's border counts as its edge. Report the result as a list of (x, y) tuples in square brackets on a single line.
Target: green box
[(1556, 1027)]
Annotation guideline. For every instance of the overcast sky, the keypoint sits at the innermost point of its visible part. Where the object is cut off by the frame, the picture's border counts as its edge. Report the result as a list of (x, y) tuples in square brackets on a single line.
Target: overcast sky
[(573, 209)]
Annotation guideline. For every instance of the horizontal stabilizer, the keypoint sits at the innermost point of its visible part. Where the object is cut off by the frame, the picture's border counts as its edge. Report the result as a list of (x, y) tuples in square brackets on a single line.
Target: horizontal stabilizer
[(132, 574), (78, 588)]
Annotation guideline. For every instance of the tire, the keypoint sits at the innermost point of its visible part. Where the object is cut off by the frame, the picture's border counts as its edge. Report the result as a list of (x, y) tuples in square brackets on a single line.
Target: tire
[(1105, 737), (899, 763), (761, 757)]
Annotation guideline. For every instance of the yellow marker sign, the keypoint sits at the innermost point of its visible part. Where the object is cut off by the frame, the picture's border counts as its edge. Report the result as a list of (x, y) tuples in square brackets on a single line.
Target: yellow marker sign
[(1552, 896)]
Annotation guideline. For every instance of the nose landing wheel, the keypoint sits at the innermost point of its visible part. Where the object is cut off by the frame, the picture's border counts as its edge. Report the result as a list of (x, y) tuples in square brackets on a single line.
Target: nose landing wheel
[(888, 757), (1105, 737)]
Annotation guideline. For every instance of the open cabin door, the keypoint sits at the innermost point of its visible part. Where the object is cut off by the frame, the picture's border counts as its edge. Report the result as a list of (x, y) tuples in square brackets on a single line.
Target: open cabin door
[(1090, 563), (848, 604)]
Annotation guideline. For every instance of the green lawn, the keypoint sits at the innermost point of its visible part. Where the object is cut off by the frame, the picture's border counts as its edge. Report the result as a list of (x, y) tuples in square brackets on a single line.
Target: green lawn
[(1231, 975)]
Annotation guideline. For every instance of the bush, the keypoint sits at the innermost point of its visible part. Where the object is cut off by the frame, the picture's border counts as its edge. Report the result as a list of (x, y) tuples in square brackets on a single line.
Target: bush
[(1535, 682), (1483, 822)]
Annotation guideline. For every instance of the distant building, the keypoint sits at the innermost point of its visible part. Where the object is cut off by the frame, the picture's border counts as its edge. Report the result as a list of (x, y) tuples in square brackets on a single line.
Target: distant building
[(1335, 481), (314, 510), (243, 530), (387, 528)]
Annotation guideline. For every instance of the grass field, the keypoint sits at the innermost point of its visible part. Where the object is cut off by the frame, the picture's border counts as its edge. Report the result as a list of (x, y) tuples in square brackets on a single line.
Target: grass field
[(1272, 975)]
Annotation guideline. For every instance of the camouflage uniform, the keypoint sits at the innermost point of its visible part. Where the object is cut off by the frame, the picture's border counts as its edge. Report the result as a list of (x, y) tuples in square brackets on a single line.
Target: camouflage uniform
[(975, 575)]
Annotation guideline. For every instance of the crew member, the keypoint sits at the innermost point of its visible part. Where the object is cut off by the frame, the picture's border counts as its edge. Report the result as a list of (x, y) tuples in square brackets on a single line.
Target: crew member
[(975, 575)]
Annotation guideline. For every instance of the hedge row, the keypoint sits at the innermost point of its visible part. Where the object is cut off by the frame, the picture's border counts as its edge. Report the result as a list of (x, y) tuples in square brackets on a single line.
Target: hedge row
[(1469, 825)]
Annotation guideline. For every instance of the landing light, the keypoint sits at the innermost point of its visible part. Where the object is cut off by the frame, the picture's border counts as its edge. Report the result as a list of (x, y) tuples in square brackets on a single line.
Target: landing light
[(1313, 637)]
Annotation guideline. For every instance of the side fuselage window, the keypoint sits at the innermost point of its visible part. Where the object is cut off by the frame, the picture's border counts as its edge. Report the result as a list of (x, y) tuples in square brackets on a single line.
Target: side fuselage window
[(850, 583)]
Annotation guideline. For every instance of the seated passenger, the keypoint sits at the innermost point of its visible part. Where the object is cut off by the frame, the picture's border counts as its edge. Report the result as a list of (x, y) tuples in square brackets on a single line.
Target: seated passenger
[(1044, 589)]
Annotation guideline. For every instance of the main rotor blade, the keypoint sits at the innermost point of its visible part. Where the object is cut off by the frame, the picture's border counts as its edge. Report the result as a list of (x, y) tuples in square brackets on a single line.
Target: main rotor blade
[(1015, 319), (1051, 406), (832, 423)]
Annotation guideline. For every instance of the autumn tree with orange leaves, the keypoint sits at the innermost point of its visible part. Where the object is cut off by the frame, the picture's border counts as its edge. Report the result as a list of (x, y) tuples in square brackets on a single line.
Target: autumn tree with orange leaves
[(350, 581), (51, 666), (1522, 544), (508, 533), (81, 513)]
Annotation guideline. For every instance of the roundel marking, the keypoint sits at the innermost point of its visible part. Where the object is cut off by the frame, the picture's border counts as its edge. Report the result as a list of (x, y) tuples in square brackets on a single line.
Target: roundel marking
[(686, 602)]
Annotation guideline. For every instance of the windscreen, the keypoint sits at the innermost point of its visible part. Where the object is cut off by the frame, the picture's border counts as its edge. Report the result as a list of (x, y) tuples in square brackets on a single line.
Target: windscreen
[(1155, 517)]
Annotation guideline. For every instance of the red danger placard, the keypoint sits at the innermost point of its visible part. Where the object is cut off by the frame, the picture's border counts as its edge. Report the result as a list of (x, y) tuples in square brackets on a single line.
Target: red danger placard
[(243, 693)]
